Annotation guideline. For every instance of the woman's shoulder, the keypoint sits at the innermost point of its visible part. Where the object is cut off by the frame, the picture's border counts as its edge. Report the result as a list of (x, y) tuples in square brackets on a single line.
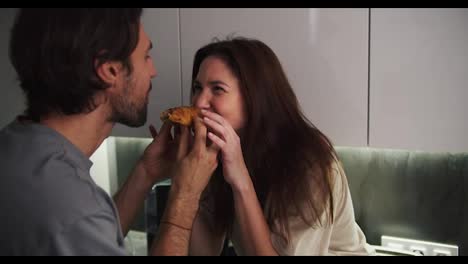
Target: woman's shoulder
[(338, 176)]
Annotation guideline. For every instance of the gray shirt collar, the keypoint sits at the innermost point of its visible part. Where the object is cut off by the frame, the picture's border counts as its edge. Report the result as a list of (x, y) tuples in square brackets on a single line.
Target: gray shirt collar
[(72, 152)]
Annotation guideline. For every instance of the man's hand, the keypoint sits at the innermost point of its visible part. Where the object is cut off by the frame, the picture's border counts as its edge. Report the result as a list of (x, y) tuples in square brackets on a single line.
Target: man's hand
[(156, 164), (191, 175), (158, 158), (194, 169)]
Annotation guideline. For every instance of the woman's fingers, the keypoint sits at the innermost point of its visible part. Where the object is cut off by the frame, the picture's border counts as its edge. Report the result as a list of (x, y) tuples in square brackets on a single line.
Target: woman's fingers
[(215, 127), (215, 117), (216, 140)]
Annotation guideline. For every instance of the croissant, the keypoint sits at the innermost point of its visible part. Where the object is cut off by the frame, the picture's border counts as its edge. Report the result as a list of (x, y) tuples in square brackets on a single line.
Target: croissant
[(183, 115)]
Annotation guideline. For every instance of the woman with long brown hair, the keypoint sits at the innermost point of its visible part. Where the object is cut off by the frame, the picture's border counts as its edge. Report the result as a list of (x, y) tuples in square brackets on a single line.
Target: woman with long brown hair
[(279, 189)]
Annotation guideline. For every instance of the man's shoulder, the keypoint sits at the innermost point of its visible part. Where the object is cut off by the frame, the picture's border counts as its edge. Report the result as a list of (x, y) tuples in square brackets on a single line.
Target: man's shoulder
[(60, 193), (43, 184), (22, 144)]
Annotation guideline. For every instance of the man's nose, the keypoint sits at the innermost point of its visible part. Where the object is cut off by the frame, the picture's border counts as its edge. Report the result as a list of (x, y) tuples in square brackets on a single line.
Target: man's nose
[(154, 72)]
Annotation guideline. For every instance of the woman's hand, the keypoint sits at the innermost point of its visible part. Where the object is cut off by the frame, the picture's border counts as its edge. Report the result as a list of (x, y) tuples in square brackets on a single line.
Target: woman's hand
[(225, 137)]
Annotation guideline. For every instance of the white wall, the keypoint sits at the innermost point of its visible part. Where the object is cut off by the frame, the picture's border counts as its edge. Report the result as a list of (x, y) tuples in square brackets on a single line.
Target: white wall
[(324, 53), (419, 79)]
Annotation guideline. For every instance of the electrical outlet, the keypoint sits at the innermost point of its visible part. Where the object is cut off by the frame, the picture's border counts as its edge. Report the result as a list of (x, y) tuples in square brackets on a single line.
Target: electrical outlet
[(423, 248)]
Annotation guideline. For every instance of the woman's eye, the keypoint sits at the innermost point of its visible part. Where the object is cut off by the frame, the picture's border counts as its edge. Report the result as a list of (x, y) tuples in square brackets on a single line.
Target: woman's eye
[(196, 88), (218, 89)]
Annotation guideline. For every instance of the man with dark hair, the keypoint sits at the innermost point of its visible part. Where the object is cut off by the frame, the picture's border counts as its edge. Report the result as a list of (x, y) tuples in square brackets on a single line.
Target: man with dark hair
[(82, 71)]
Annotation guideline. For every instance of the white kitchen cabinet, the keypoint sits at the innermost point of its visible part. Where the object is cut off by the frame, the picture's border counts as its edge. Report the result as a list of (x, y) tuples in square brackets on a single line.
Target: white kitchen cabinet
[(418, 79)]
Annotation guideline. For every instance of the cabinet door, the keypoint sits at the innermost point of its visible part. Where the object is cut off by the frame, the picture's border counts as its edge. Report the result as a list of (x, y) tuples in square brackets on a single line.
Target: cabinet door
[(162, 26), (12, 102), (418, 79), (324, 53)]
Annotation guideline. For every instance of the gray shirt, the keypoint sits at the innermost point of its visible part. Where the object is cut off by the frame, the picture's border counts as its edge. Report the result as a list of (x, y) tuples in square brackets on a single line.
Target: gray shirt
[(49, 203)]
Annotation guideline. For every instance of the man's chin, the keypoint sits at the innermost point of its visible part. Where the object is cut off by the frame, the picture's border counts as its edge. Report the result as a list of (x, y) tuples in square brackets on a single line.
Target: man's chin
[(135, 125), (141, 121)]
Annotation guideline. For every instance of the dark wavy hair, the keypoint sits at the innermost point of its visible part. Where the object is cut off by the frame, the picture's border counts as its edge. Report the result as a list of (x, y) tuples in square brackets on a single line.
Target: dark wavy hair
[(54, 52), (289, 160)]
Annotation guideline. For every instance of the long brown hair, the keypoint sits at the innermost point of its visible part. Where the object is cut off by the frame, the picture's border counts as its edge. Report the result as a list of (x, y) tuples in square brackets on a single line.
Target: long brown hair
[(288, 158)]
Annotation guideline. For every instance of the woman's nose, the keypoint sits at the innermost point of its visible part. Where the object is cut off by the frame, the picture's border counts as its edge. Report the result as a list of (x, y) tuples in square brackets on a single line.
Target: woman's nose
[(201, 100)]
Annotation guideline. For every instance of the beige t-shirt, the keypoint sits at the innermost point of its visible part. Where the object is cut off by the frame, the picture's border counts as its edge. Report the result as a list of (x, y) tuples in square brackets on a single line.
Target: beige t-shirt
[(343, 237)]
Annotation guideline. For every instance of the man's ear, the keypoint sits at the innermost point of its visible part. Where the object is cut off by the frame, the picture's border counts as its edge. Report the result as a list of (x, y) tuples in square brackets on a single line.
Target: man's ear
[(108, 71)]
